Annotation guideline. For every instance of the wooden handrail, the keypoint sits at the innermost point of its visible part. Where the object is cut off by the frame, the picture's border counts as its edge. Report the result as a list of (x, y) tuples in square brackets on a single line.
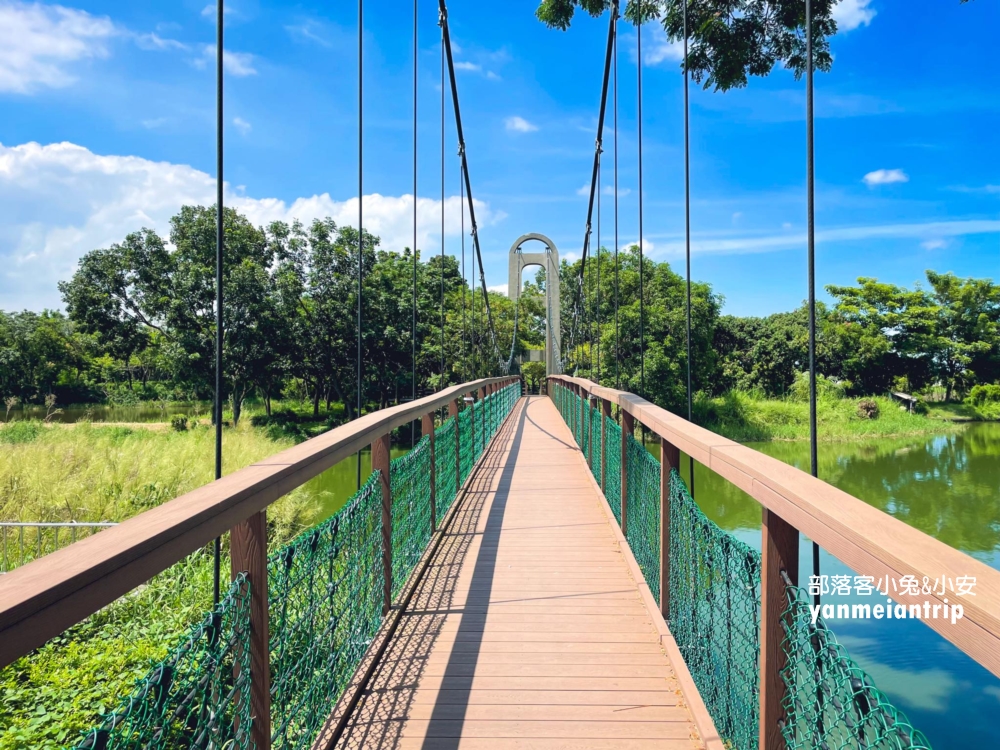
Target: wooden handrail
[(863, 537), (43, 598)]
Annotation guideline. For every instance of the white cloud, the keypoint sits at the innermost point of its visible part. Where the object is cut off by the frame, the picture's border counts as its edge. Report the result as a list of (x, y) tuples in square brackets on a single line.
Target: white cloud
[(211, 10), (154, 42), (39, 43), (498, 288), (65, 200), (787, 225), (661, 49), (239, 64), (154, 122), (934, 244), (242, 125), (517, 124), (309, 31), (469, 66), (850, 14), (885, 177)]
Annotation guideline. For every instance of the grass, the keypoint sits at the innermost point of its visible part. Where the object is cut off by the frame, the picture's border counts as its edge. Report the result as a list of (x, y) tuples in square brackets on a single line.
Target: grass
[(964, 412), (747, 417), (109, 473)]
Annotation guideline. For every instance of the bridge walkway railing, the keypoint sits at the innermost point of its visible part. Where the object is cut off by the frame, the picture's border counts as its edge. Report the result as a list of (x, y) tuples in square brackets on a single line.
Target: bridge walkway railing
[(772, 675), (276, 662)]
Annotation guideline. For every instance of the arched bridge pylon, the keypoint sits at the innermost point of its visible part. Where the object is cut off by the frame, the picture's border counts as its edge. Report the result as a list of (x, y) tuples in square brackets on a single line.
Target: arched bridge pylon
[(549, 260)]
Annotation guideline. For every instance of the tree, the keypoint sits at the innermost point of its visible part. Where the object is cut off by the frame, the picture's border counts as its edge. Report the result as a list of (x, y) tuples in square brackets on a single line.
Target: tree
[(965, 328), (729, 40)]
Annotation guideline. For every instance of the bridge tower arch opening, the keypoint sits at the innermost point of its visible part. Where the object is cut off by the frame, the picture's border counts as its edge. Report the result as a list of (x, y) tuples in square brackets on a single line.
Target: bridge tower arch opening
[(549, 260)]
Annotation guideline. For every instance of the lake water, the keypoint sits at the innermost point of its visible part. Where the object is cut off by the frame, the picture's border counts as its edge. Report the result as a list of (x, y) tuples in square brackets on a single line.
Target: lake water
[(104, 413), (948, 486)]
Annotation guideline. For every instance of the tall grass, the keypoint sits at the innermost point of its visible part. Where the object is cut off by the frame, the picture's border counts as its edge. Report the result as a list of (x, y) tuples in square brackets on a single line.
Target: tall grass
[(95, 473), (750, 417), (92, 473)]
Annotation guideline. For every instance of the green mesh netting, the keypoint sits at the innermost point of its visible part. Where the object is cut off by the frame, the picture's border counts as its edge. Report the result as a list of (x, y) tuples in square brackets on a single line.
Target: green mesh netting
[(198, 696), (478, 430), (410, 482), (715, 615), (325, 591), (445, 474), (613, 474), (466, 457), (642, 529), (830, 701), (595, 442)]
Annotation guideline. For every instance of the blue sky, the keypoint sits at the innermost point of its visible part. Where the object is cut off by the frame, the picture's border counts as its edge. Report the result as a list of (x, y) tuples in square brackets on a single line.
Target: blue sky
[(108, 125)]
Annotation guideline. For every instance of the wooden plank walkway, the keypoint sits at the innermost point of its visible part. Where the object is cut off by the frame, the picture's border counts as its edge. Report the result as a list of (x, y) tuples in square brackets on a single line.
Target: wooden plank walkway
[(527, 630)]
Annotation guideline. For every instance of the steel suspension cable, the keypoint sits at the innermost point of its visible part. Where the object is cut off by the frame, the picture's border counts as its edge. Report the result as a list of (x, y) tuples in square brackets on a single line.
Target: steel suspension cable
[(361, 231), (413, 324), (597, 310), (687, 232), (443, 380), (642, 309), (618, 375), (219, 247), (580, 310), (443, 16), (811, 234), (461, 208)]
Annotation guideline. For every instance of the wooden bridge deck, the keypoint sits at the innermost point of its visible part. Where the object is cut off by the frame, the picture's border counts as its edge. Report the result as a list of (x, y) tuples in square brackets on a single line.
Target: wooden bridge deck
[(528, 629)]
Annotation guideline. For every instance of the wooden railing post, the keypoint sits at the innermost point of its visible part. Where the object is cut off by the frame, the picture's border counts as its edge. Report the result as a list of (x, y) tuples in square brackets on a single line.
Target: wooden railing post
[(605, 415), (628, 425), (780, 554), (427, 428), (670, 458), (248, 554), (453, 412), (380, 462)]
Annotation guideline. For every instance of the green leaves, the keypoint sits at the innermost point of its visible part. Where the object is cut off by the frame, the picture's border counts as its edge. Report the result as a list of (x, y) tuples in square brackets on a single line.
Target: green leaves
[(729, 40)]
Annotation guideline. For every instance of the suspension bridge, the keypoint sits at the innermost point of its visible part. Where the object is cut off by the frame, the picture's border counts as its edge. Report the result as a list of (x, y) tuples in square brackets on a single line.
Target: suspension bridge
[(533, 573)]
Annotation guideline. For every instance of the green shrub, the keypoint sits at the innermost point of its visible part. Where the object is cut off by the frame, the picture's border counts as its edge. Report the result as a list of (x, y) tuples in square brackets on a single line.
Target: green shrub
[(179, 422), (868, 409), (981, 395), (825, 387), (15, 433)]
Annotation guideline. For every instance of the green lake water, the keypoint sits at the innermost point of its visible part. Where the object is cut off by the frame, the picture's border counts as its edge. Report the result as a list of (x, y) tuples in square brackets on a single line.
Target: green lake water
[(948, 486)]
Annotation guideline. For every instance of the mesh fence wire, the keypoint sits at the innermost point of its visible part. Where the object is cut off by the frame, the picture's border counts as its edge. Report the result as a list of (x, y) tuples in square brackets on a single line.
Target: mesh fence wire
[(410, 482), (596, 420), (325, 591), (830, 702), (642, 529), (198, 696), (466, 457), (613, 474), (715, 615), (445, 473)]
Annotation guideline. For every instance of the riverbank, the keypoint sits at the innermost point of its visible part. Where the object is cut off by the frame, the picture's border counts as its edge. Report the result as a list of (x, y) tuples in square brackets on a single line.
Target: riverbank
[(745, 417)]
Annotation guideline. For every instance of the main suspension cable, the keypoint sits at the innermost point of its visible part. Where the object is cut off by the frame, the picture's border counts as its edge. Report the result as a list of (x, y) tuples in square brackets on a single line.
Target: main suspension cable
[(579, 303), (443, 16), (642, 309), (443, 379)]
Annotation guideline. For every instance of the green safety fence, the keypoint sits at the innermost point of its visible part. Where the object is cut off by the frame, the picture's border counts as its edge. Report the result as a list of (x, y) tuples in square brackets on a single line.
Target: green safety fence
[(198, 696), (613, 474), (445, 476), (326, 592), (466, 456), (410, 482), (642, 528), (595, 441), (830, 701), (715, 615)]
